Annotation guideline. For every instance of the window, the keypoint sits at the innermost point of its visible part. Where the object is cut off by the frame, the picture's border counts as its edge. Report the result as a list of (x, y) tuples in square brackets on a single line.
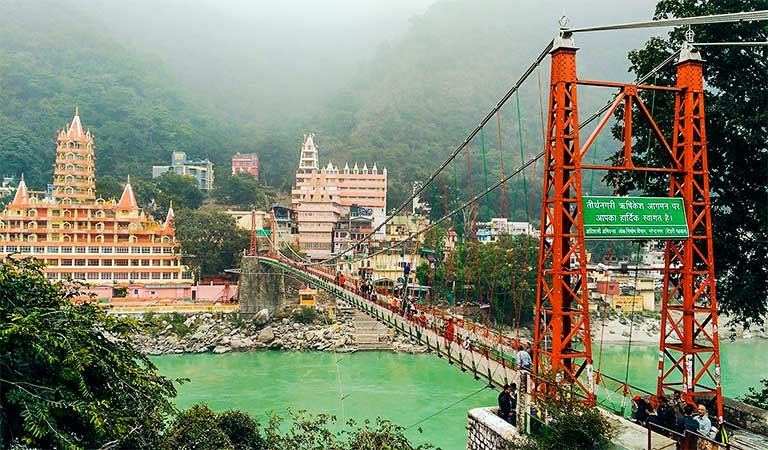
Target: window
[(155, 275), (121, 250), (11, 248), (106, 262), (93, 249), (93, 262), (166, 276), (106, 249), (25, 249), (53, 249), (106, 275), (79, 276), (66, 262), (66, 249), (39, 249), (79, 249), (120, 276), (144, 262), (145, 249), (121, 262), (144, 275), (79, 262)]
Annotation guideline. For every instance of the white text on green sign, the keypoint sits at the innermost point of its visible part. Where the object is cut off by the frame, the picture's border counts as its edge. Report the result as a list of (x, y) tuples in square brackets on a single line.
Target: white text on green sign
[(634, 218)]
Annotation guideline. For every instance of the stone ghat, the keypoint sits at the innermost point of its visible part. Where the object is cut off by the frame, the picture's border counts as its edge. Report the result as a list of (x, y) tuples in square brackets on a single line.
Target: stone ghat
[(223, 333)]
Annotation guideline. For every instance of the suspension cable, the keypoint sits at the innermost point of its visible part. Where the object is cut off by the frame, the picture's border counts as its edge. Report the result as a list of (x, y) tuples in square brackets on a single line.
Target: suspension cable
[(455, 152), (748, 16)]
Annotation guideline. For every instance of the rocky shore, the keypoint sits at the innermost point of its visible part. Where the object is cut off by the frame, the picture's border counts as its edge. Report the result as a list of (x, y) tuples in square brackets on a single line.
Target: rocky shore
[(224, 333)]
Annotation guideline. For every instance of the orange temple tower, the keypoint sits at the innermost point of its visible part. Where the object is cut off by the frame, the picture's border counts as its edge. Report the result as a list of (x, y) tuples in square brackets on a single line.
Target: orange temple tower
[(108, 244)]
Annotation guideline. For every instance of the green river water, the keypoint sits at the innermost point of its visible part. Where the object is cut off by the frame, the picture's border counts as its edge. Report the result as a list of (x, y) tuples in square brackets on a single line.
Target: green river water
[(403, 388)]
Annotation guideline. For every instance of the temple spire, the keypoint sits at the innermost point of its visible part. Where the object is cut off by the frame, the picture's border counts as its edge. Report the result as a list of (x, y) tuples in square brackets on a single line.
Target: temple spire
[(168, 225), (22, 194), (75, 130), (127, 200)]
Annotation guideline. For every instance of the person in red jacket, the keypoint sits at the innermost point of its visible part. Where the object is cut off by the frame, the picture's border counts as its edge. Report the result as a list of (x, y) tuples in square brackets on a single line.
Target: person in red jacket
[(450, 331)]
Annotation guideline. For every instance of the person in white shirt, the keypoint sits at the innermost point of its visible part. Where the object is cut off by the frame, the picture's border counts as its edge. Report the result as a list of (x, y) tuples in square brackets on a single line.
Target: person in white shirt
[(705, 425), (524, 359)]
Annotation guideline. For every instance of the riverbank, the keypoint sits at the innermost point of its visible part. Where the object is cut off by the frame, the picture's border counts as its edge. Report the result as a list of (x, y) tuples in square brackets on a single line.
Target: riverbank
[(304, 330), (644, 328)]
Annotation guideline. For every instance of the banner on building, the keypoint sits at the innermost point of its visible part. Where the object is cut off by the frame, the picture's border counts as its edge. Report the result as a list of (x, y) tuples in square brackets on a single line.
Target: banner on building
[(634, 218)]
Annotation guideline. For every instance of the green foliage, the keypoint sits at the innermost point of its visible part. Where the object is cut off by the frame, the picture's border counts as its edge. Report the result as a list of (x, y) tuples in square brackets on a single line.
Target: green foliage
[(736, 85), (211, 240), (304, 314), (503, 272), (568, 420), (156, 194), (241, 191), (108, 187), (69, 375), (131, 104), (755, 397), (241, 429), (422, 274), (197, 428), (308, 432)]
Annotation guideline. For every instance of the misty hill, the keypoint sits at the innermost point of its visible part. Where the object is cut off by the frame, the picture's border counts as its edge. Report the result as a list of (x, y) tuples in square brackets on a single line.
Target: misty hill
[(421, 96), (49, 65)]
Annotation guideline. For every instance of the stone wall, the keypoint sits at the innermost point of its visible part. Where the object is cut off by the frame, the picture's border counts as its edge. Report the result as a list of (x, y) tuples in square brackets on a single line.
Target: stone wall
[(263, 286), (487, 431), (746, 416)]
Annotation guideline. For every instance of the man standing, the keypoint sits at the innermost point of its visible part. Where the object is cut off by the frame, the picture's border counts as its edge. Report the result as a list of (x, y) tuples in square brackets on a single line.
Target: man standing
[(524, 359), (705, 425), (505, 403)]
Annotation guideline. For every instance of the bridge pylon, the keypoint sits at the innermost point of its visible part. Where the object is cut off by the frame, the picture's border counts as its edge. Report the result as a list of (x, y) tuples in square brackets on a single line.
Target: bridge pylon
[(689, 351), (562, 343), (689, 348)]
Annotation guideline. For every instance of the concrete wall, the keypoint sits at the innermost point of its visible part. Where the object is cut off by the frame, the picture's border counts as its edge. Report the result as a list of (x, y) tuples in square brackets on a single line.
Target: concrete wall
[(487, 431)]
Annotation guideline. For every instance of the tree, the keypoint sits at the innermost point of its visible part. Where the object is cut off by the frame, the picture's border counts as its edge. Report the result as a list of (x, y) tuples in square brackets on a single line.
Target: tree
[(757, 398), (155, 195), (180, 189), (242, 191), (197, 428), (211, 239), (736, 105), (69, 375), (108, 187)]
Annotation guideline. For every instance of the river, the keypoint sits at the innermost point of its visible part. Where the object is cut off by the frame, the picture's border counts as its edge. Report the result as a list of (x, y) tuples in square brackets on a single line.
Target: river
[(406, 389)]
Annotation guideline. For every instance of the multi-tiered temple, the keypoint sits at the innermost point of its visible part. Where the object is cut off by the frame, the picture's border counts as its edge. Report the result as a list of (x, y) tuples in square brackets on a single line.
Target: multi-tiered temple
[(105, 243)]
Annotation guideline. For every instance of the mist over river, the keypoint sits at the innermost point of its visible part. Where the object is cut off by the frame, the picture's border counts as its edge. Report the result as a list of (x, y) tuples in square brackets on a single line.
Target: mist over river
[(401, 387)]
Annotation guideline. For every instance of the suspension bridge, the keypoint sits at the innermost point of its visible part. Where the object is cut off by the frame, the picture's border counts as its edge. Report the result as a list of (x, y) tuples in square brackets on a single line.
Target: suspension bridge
[(563, 355)]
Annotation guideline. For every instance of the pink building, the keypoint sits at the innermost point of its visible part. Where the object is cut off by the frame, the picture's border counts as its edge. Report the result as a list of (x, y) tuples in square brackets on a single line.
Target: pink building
[(322, 196), (247, 163)]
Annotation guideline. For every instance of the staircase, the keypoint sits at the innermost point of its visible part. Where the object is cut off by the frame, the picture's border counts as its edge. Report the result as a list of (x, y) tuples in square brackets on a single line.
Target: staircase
[(369, 333)]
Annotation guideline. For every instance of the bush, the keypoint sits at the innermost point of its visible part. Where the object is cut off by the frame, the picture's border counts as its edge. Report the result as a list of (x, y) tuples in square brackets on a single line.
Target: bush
[(197, 428), (241, 429), (305, 314)]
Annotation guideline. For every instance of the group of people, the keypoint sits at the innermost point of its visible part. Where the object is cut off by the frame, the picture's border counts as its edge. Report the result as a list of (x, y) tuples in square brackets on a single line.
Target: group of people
[(508, 404), (674, 415)]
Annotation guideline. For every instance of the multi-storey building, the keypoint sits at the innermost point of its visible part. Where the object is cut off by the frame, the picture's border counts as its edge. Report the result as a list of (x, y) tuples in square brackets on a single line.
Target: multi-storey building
[(322, 196), (106, 243), (201, 170), (246, 163), (499, 226)]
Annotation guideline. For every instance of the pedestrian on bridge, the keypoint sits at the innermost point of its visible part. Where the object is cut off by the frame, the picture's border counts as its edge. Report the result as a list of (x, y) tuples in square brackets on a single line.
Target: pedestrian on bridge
[(705, 425), (524, 361), (450, 331)]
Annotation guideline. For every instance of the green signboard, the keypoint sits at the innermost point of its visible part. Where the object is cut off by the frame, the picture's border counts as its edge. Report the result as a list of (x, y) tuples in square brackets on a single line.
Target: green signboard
[(262, 233), (634, 218)]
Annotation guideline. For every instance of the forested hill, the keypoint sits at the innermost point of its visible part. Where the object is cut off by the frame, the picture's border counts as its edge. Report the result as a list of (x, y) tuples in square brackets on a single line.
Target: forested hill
[(52, 58), (420, 97)]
